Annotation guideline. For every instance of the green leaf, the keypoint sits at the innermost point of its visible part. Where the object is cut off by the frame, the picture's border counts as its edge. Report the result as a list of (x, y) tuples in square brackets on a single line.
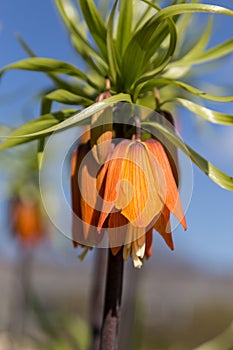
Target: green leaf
[(171, 11), (124, 28), (179, 84), (78, 37), (134, 60), (136, 65), (211, 54), (57, 80), (25, 46), (66, 97), (111, 48), (206, 113), (29, 131), (202, 41), (164, 62), (143, 16), (46, 121), (46, 65), (217, 51), (95, 24), (215, 174)]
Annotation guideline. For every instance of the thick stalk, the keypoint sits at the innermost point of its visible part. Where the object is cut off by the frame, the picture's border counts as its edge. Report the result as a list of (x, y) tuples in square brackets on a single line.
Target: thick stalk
[(112, 306), (97, 296)]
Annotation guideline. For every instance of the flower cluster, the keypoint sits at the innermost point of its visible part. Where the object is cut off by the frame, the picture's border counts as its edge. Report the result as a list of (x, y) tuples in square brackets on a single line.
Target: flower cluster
[(130, 194)]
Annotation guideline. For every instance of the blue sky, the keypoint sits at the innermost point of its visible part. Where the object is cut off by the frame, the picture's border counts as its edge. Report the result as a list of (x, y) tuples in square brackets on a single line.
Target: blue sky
[(209, 239)]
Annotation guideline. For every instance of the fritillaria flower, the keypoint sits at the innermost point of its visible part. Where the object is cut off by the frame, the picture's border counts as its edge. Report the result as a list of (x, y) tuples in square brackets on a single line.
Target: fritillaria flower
[(86, 184), (133, 193), (27, 222), (139, 194)]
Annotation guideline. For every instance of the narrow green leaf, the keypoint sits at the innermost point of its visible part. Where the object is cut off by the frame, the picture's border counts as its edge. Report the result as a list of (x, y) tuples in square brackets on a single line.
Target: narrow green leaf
[(124, 27), (111, 47), (78, 37), (206, 113), (215, 174), (202, 41), (143, 15), (217, 51), (213, 53), (25, 46), (171, 11), (46, 65), (60, 83), (179, 84), (95, 24), (134, 61), (76, 119), (164, 62), (66, 97), (46, 121)]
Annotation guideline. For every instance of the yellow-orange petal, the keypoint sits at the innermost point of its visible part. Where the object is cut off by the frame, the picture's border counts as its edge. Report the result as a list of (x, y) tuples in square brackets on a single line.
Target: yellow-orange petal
[(166, 118), (172, 202), (138, 194), (101, 134), (162, 226), (113, 167)]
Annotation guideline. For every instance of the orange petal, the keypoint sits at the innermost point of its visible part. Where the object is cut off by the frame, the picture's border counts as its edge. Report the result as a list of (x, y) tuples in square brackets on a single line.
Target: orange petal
[(114, 167), (101, 131), (149, 243), (77, 157), (172, 195), (166, 118), (138, 196), (27, 221), (84, 171), (162, 225), (117, 228), (85, 136), (90, 212)]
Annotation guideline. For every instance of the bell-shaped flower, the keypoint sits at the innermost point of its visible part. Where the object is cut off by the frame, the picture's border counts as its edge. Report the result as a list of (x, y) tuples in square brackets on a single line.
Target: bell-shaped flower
[(140, 192)]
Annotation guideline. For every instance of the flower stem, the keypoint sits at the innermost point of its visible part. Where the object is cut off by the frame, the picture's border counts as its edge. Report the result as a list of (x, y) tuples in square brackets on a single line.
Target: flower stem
[(112, 307), (97, 296)]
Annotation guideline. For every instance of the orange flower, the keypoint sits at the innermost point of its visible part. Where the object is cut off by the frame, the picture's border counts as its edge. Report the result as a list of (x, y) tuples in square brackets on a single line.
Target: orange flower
[(140, 193), (86, 184), (27, 222), (133, 193)]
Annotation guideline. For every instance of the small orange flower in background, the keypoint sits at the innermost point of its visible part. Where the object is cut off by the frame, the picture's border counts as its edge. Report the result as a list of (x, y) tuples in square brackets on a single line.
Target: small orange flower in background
[(27, 222)]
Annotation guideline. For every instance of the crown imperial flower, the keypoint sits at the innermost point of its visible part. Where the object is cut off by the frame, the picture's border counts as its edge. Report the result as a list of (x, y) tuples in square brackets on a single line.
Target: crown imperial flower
[(133, 193), (27, 222)]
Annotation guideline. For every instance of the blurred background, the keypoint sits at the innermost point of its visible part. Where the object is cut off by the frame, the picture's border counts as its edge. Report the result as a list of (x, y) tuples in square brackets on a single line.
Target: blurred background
[(179, 300)]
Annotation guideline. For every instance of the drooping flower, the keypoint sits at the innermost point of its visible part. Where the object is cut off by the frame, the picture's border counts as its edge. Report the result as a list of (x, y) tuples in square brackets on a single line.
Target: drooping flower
[(86, 185), (139, 194), (26, 221), (133, 193)]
